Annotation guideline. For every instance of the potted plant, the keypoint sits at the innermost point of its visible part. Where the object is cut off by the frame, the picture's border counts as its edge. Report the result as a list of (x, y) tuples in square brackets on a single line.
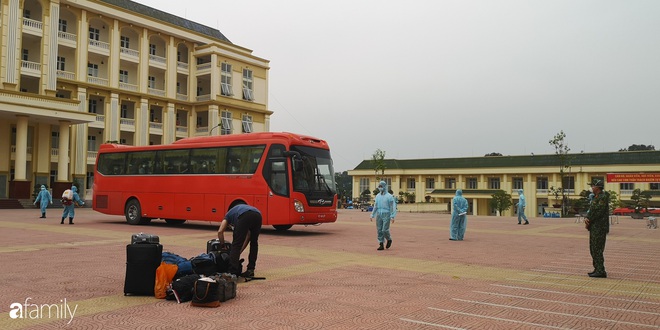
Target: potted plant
[(556, 192)]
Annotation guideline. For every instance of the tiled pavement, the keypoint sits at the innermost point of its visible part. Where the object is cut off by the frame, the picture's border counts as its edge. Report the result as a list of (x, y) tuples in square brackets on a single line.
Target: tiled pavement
[(503, 276)]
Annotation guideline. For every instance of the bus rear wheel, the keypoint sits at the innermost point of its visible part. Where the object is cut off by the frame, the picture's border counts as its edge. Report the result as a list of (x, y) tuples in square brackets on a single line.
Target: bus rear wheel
[(282, 227), (133, 212), (174, 222)]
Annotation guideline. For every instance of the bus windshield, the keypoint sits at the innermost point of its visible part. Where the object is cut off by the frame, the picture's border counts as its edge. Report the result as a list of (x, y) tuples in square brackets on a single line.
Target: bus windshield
[(316, 178)]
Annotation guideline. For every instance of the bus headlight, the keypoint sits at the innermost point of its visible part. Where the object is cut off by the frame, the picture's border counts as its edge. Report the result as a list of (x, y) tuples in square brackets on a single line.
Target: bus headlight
[(298, 206)]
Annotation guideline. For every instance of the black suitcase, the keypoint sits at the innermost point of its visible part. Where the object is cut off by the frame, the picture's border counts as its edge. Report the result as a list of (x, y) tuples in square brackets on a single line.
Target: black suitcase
[(144, 238), (216, 245), (142, 260)]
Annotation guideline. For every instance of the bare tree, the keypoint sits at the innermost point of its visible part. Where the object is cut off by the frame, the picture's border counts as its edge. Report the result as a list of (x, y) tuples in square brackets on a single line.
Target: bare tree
[(561, 150)]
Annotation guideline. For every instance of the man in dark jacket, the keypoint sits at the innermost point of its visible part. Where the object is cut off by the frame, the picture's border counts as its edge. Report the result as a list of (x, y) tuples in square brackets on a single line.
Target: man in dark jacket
[(246, 221), (597, 222)]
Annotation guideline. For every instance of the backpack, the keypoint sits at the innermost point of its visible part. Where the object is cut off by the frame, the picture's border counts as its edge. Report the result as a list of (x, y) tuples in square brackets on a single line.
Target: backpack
[(185, 265), (204, 264), (67, 197)]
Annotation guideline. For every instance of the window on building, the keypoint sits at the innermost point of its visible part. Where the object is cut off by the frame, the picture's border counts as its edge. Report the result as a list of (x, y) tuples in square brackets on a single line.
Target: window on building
[(92, 70), (91, 143), (541, 183), (493, 183), (91, 106), (90, 180), (61, 26), (364, 185), (430, 183), (94, 34), (655, 186), (60, 95), (225, 79), (450, 183), (410, 183), (124, 42), (54, 140), (124, 111), (151, 82), (472, 183), (517, 183), (152, 115), (627, 186), (123, 76), (247, 124), (226, 123), (178, 56), (569, 183), (200, 121), (247, 85), (26, 54), (26, 13), (61, 61), (152, 49)]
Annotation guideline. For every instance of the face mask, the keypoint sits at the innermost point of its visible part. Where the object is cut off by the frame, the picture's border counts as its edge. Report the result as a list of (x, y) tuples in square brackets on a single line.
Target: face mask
[(380, 189)]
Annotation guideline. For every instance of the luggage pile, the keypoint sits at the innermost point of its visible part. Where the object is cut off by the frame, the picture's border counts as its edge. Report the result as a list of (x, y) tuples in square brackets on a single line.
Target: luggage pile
[(203, 280)]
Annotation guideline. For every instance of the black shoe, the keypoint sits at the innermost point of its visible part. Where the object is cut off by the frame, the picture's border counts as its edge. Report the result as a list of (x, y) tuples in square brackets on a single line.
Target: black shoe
[(70, 222), (62, 222), (452, 239), (389, 243), (380, 247), (598, 274), (519, 223), (248, 273), (527, 222)]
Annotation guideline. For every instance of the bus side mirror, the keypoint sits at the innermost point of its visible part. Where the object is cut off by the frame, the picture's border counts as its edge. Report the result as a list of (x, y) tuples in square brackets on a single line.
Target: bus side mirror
[(297, 164)]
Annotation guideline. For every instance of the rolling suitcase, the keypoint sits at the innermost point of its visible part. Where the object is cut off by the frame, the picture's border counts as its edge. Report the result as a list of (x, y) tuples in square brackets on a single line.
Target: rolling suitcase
[(142, 260), (143, 238)]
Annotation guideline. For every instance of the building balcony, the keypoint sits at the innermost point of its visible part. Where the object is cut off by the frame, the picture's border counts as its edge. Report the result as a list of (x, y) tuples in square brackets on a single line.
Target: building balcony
[(91, 157), (181, 131), (203, 130), (157, 92), (201, 98), (67, 39), (182, 67), (99, 123), (204, 68), (33, 27), (99, 47), (31, 68), (129, 54), (158, 61), (181, 97), (66, 75), (128, 87), (13, 153), (97, 81), (127, 124)]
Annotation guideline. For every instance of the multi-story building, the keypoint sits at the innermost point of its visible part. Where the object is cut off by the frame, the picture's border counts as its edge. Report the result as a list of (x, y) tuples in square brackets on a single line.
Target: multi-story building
[(78, 73), (479, 177)]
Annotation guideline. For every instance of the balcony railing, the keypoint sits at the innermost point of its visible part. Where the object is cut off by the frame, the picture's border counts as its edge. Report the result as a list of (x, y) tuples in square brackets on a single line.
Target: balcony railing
[(201, 98), (66, 75), (181, 97), (54, 151), (203, 66), (100, 118), (31, 65), (97, 80), (128, 87), (33, 24), (155, 125), (202, 129), (29, 150), (157, 92), (91, 155), (182, 129), (67, 36), (627, 192), (157, 59), (127, 121), (99, 44), (129, 52), (181, 65), (541, 191)]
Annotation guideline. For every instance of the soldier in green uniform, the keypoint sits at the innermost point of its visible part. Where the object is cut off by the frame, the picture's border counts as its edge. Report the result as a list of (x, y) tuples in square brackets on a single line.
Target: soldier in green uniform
[(598, 225)]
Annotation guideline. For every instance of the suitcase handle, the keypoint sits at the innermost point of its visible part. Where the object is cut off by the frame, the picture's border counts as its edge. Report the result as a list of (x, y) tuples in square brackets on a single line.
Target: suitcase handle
[(208, 284)]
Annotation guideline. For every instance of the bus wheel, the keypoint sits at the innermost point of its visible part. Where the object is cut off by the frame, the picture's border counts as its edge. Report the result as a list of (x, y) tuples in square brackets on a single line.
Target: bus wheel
[(133, 213), (282, 227), (174, 222)]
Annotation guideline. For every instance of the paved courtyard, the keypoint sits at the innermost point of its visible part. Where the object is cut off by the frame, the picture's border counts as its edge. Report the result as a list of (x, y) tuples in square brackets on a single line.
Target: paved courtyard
[(502, 276)]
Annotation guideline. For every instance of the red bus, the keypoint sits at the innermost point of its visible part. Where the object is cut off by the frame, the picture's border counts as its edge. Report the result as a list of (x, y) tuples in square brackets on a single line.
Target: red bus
[(288, 177)]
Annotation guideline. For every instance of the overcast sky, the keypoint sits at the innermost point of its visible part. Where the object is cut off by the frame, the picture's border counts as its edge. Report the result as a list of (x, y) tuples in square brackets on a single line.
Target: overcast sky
[(460, 78)]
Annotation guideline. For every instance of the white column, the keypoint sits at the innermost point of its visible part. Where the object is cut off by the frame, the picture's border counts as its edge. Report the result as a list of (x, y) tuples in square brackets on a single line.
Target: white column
[(169, 124), (63, 153), (112, 118), (51, 56), (13, 35), (20, 160), (213, 118), (475, 206)]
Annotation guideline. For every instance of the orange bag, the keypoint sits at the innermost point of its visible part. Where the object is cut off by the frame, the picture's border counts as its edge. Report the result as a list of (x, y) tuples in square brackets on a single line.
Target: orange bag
[(164, 276)]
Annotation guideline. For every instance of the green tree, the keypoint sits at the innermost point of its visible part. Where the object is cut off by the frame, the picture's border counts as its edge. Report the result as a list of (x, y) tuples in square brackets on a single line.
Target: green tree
[(344, 186), (641, 200), (378, 162), (561, 150), (638, 147), (501, 201), (614, 200)]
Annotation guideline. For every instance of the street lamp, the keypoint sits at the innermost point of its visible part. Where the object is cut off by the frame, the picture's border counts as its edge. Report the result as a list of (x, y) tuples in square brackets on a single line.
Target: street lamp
[(214, 127)]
